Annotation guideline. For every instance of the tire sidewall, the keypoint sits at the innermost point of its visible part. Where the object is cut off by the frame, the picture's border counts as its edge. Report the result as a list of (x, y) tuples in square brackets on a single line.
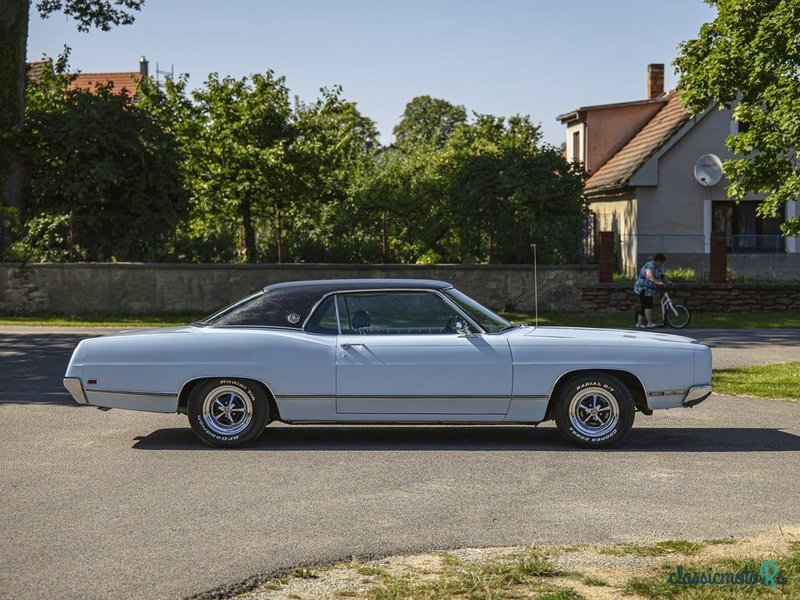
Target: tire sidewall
[(257, 424), (612, 386)]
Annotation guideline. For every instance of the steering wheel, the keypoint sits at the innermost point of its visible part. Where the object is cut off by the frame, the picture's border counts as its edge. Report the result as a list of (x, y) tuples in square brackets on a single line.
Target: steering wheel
[(450, 327)]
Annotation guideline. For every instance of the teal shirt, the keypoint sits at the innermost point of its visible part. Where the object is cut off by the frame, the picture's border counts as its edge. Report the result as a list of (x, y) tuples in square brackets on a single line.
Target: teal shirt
[(643, 284)]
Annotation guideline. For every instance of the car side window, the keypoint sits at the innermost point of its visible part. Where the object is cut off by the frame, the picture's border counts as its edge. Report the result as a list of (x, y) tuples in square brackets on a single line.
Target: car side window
[(396, 313), (324, 318)]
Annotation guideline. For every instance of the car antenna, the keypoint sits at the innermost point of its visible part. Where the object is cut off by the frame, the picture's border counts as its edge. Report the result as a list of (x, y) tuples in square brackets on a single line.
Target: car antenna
[(535, 289)]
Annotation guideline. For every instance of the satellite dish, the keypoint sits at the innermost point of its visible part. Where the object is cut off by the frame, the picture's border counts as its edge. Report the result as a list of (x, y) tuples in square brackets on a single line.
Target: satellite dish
[(708, 170)]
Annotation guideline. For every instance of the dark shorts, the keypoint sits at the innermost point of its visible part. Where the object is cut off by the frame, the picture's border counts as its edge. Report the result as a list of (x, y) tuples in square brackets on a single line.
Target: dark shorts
[(646, 301)]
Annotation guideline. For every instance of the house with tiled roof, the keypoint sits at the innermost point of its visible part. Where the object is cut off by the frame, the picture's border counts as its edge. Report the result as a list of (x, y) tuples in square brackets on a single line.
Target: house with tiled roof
[(641, 157), (127, 81), (120, 81)]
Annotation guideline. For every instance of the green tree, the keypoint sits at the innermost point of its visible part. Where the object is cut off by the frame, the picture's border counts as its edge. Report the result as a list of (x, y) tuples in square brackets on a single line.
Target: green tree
[(243, 178), (14, 19), (429, 121), (506, 193), (331, 153), (748, 59), (104, 178)]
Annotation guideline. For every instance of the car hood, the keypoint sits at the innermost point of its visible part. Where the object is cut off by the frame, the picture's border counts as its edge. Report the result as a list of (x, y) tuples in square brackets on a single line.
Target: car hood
[(613, 336)]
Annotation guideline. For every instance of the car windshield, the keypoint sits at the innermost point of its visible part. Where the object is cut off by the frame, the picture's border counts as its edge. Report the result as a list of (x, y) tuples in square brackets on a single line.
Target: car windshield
[(489, 321), (220, 314)]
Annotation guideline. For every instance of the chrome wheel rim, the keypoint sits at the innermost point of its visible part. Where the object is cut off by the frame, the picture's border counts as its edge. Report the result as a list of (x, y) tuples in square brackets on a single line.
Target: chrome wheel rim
[(227, 410), (593, 412)]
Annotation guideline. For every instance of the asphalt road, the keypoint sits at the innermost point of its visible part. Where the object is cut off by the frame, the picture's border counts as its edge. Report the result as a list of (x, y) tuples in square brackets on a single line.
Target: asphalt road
[(131, 505)]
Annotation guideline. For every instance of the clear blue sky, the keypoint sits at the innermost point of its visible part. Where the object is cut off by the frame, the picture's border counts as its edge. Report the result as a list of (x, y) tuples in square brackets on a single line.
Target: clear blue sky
[(503, 57)]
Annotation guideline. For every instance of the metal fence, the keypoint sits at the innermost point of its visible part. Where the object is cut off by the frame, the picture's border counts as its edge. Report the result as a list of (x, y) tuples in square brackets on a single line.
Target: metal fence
[(757, 244), (764, 257), (682, 252)]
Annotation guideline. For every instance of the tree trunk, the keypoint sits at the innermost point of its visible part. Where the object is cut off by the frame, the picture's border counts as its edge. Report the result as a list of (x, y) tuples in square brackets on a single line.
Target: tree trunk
[(249, 234), (13, 42), (384, 240), (280, 237)]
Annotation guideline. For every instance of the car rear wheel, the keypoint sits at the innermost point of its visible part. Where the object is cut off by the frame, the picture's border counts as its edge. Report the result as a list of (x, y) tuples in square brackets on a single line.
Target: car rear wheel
[(594, 411), (228, 412)]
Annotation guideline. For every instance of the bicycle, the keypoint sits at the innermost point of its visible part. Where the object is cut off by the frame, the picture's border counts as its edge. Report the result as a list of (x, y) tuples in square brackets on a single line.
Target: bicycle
[(676, 316)]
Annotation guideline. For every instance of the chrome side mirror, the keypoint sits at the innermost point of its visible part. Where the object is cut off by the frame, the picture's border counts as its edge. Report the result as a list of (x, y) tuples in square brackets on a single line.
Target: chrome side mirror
[(463, 329)]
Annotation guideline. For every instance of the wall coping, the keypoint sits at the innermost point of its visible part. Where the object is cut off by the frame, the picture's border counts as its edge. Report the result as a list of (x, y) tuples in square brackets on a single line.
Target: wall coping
[(701, 286), (290, 266)]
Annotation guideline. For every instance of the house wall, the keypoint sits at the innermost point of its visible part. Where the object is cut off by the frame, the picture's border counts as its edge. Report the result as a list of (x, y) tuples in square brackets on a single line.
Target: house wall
[(608, 129), (619, 214), (674, 216)]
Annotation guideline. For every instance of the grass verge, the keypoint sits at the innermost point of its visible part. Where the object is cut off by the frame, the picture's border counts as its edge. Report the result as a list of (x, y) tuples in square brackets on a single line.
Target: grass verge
[(624, 320), (587, 572), (99, 320), (762, 381), (790, 320)]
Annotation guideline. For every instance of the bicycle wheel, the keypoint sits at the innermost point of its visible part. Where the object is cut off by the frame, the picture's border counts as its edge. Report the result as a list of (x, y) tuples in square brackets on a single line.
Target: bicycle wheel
[(678, 316)]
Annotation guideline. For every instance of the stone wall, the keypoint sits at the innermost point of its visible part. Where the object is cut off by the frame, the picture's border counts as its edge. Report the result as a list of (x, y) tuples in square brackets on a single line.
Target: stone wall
[(158, 288), (699, 297)]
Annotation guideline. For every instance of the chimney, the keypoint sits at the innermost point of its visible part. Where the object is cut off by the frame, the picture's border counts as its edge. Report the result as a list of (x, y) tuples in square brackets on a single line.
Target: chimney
[(655, 80), (143, 64)]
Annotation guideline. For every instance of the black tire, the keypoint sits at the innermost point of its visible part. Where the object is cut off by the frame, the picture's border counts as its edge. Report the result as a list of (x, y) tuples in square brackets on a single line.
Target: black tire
[(228, 412), (606, 395), (679, 321)]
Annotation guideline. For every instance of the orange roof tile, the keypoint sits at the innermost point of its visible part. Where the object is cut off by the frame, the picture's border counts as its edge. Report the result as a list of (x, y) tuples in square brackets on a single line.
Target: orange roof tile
[(621, 167), (126, 80), (37, 67)]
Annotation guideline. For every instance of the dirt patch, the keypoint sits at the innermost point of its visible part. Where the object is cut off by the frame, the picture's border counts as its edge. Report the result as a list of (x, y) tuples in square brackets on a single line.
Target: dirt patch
[(590, 571)]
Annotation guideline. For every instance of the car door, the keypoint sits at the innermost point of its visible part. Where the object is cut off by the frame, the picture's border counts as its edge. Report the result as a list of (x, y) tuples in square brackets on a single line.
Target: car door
[(399, 354)]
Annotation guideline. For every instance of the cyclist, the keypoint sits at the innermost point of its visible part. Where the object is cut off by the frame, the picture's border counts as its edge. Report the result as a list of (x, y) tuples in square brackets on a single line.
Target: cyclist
[(650, 277)]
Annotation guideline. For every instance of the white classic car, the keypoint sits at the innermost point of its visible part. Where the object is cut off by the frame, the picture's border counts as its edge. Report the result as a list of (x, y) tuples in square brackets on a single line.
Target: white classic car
[(386, 351)]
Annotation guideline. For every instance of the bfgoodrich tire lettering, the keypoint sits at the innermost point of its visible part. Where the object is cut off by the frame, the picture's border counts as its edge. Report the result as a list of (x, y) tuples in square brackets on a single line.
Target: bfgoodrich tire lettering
[(594, 411), (228, 412)]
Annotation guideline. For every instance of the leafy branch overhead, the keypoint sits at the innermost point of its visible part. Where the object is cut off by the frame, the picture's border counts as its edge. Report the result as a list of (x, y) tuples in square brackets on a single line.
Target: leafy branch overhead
[(102, 14), (748, 59)]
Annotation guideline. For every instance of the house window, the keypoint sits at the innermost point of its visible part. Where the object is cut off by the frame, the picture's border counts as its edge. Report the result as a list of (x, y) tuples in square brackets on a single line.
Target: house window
[(576, 146), (746, 231), (738, 127)]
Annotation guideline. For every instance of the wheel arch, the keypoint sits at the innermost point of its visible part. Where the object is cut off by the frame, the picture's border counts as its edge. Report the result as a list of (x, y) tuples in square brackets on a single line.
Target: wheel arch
[(631, 381), (189, 386)]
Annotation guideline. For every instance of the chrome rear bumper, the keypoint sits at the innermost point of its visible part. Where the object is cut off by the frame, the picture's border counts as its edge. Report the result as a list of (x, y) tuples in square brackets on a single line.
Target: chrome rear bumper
[(75, 388), (696, 394)]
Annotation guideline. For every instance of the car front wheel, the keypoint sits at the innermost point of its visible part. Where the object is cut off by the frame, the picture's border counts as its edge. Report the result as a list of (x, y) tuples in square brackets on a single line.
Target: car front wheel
[(594, 411), (228, 412)]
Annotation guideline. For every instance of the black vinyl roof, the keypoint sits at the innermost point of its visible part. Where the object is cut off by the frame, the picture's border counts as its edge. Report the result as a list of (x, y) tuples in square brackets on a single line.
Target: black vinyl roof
[(325, 286), (290, 304)]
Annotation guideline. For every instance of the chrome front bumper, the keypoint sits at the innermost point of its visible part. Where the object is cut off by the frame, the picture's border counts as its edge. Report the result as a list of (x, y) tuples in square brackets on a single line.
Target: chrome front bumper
[(75, 388), (696, 394)]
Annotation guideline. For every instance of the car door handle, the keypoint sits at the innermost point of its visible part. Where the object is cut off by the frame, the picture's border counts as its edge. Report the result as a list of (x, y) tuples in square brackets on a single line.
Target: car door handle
[(346, 346)]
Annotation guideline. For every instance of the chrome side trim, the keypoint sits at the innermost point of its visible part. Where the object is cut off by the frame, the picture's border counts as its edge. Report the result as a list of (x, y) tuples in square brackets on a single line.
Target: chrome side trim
[(126, 393), (696, 394), (413, 396), (75, 388)]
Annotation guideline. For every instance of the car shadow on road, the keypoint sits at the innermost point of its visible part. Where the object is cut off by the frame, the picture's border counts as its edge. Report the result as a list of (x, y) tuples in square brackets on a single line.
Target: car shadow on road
[(402, 438)]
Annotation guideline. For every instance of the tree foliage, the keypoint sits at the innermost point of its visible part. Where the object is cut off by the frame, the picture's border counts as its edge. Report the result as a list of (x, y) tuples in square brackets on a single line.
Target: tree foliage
[(14, 19), (104, 179), (234, 171), (428, 121), (102, 14), (748, 59)]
